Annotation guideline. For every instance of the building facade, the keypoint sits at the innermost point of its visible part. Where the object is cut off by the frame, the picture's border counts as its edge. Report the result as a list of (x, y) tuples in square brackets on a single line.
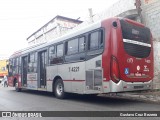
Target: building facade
[(56, 27), (151, 16), (3, 69)]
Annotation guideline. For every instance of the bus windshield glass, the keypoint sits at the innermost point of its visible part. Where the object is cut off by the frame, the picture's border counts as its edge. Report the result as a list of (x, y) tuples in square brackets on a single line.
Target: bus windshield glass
[(136, 39)]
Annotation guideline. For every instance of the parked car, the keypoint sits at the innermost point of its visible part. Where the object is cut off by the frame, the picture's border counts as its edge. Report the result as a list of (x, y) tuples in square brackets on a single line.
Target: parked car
[(4, 82)]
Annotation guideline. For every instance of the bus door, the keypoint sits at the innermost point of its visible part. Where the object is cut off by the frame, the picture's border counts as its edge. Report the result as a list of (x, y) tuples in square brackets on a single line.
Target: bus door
[(24, 70), (42, 56)]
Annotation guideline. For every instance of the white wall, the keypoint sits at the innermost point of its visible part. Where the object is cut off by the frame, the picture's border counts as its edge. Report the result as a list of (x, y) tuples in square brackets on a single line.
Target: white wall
[(151, 16)]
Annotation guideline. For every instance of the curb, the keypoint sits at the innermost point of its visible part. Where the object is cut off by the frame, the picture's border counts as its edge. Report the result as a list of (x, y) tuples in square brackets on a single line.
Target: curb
[(143, 96), (146, 98)]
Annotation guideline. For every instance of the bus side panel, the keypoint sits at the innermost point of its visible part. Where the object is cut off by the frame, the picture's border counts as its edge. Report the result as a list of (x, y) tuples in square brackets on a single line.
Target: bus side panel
[(63, 72), (51, 73), (72, 74), (10, 81), (106, 56), (94, 76), (32, 81), (77, 71), (13, 79)]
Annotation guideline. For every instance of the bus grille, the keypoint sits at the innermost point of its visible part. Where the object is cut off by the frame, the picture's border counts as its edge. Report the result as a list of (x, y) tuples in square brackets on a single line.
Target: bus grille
[(94, 79), (137, 50), (89, 79)]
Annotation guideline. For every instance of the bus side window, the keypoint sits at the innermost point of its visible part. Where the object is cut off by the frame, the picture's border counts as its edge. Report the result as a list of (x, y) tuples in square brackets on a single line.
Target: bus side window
[(82, 44), (15, 66), (32, 65), (72, 46), (74, 49), (19, 65), (52, 55), (10, 67), (59, 50), (101, 44), (59, 53), (95, 40)]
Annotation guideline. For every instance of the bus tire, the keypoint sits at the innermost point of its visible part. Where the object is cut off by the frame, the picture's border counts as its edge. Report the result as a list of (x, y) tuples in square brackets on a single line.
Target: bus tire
[(16, 87), (59, 89)]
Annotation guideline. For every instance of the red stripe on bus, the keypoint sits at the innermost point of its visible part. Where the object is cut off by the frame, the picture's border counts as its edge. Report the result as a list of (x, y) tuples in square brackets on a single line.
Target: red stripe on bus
[(74, 80), (69, 80)]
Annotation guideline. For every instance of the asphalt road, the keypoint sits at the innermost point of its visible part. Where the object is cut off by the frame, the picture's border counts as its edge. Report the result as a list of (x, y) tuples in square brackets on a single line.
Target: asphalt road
[(10, 100)]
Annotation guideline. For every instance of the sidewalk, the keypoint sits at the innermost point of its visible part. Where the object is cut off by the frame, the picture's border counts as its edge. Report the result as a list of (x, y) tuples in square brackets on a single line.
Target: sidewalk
[(147, 96)]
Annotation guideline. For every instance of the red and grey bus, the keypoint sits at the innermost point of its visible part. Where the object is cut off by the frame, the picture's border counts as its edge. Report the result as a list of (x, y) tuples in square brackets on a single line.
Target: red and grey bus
[(112, 55)]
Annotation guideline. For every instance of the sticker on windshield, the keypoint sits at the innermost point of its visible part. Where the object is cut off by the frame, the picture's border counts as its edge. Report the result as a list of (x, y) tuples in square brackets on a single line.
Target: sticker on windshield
[(126, 71)]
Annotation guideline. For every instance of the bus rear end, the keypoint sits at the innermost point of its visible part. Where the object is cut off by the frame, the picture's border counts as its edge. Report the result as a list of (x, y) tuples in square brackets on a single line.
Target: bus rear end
[(131, 57)]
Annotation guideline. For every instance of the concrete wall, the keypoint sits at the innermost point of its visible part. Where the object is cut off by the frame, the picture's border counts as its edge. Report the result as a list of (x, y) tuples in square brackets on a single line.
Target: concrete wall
[(151, 16), (116, 9), (156, 83)]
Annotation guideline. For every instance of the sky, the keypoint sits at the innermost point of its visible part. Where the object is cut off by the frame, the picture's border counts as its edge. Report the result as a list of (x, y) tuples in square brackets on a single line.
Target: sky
[(20, 18)]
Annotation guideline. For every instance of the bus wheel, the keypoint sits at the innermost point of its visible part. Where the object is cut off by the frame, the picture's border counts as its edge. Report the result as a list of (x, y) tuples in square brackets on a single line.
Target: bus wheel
[(16, 87), (59, 89)]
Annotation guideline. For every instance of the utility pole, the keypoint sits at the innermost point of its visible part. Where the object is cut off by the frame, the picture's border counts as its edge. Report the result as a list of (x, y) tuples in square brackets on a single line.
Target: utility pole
[(90, 14)]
